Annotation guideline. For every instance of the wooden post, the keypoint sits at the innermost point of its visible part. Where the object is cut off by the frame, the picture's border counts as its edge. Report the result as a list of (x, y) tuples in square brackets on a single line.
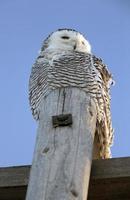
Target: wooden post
[(63, 153)]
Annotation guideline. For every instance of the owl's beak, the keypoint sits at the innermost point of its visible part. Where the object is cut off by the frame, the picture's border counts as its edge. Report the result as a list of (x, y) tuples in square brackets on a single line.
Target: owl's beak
[(75, 46)]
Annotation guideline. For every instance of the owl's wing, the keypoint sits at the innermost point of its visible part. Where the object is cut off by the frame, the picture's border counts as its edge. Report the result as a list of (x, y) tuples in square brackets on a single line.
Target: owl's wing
[(37, 84), (104, 129)]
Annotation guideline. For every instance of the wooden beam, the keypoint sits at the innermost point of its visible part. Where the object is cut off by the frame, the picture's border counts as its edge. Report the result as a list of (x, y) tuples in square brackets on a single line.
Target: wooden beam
[(13, 182), (110, 179), (14, 176)]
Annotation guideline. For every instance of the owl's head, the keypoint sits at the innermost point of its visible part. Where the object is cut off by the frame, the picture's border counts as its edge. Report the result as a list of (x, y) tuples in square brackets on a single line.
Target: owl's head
[(66, 39)]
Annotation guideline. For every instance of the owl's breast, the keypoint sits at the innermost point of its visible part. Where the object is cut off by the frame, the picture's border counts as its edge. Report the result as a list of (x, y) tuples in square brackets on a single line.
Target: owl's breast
[(75, 70)]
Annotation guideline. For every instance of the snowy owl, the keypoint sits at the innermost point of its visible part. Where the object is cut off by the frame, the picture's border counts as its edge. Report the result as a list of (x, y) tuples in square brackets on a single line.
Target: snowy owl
[(65, 60)]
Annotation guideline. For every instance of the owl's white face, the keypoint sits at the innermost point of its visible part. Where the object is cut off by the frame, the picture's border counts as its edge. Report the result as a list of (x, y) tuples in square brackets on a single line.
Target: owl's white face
[(68, 40)]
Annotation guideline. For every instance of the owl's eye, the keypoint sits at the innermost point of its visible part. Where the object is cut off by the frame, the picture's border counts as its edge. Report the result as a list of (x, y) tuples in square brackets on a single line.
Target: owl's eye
[(83, 43), (65, 37)]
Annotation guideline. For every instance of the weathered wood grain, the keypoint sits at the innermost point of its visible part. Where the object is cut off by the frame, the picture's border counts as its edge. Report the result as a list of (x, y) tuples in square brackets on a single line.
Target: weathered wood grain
[(110, 180), (8, 174), (62, 158)]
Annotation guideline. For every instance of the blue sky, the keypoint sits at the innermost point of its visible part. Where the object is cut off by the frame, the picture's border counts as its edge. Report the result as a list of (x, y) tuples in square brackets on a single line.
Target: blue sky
[(23, 26)]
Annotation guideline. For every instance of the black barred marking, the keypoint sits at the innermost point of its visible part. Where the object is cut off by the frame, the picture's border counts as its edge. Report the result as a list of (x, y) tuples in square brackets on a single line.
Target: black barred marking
[(67, 29)]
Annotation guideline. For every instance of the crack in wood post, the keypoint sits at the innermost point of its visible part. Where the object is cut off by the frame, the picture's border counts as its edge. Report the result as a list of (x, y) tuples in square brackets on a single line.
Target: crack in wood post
[(64, 96)]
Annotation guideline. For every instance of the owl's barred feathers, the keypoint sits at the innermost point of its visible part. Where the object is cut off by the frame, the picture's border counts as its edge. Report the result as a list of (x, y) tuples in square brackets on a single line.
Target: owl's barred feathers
[(62, 66)]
